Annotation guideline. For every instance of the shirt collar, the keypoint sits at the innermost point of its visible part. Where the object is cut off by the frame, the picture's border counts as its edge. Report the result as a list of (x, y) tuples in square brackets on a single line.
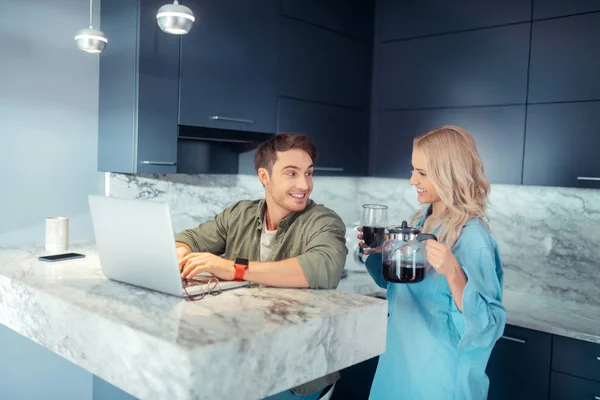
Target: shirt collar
[(284, 223)]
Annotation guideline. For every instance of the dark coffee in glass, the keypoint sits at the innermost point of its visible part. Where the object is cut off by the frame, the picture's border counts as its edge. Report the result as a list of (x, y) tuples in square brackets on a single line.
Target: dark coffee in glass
[(403, 271), (374, 236), (373, 220)]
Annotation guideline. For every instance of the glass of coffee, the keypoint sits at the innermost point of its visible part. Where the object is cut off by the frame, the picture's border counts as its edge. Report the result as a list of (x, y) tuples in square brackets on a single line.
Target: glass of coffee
[(373, 220)]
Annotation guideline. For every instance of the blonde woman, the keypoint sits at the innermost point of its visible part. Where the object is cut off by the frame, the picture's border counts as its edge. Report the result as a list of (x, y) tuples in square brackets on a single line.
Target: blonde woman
[(441, 330)]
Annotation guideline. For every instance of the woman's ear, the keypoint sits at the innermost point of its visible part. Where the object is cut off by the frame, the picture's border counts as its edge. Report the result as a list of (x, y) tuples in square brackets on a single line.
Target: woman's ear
[(263, 175)]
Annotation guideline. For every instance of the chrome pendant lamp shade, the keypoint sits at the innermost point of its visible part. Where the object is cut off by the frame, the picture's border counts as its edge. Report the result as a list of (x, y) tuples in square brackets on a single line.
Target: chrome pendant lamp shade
[(175, 18), (91, 40)]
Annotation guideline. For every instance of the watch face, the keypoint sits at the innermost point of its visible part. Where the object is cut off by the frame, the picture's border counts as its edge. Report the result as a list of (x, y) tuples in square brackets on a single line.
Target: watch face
[(241, 261)]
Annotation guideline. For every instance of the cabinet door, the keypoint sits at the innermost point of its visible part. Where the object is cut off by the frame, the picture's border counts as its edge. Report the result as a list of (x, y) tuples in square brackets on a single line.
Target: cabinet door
[(320, 65), (498, 132), (576, 357), (565, 59), (351, 18), (404, 19), (157, 94), (340, 134), (355, 381), (229, 66), (567, 387), (138, 91), (561, 145), (557, 8), (476, 68), (519, 367)]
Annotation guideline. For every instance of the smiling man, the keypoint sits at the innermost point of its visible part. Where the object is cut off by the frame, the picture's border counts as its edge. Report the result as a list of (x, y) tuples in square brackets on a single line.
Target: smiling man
[(283, 240)]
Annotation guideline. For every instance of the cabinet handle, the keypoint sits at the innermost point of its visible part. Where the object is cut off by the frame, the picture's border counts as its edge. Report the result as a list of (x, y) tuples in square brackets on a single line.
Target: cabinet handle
[(587, 178), (242, 120), (330, 169), (163, 163), (512, 339), (203, 139)]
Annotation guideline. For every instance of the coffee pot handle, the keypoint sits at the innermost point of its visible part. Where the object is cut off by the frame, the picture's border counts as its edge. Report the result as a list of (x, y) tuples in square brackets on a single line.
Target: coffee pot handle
[(424, 236)]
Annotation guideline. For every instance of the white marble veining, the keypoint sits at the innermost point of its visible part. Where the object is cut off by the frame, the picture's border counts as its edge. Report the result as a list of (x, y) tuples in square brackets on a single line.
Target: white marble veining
[(549, 238), (542, 313), (360, 283), (242, 344), (553, 315)]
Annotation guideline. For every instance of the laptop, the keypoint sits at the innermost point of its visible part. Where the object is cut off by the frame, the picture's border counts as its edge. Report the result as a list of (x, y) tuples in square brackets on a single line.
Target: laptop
[(136, 245)]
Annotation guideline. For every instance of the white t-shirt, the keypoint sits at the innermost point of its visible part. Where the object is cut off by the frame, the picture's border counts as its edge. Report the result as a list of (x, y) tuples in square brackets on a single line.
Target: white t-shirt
[(267, 241)]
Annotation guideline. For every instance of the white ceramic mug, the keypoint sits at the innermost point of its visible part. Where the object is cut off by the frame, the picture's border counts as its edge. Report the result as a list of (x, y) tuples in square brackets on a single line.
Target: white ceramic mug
[(57, 234)]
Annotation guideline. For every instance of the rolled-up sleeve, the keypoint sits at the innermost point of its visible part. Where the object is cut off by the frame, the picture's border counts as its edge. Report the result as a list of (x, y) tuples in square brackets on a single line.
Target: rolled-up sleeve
[(324, 256), (482, 320), (209, 236)]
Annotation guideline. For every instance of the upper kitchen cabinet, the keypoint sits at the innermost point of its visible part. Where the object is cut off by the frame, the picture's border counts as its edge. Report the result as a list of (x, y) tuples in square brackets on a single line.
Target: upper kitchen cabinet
[(565, 59), (229, 66), (320, 65), (324, 79), (406, 19), (482, 67), (561, 146), (138, 90), (498, 132), (340, 134), (353, 19), (559, 8)]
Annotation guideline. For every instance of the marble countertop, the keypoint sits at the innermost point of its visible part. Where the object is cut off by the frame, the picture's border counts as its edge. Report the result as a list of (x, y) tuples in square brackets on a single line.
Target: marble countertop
[(553, 315), (541, 313), (161, 347)]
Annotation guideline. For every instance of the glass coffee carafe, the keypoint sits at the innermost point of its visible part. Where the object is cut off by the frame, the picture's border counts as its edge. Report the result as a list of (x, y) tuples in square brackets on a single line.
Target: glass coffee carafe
[(404, 257)]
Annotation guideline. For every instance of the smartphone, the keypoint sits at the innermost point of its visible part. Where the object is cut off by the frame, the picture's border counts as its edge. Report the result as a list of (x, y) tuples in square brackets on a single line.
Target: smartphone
[(61, 257)]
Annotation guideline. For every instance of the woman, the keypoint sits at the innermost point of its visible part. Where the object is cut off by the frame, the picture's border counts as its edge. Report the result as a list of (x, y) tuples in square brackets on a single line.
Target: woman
[(441, 330)]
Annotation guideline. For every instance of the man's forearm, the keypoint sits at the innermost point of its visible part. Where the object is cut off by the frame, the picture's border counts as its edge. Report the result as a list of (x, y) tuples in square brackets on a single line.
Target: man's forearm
[(185, 246), (286, 273)]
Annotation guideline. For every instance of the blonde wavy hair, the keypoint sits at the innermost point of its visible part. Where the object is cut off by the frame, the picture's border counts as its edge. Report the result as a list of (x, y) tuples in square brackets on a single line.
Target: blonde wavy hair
[(456, 171)]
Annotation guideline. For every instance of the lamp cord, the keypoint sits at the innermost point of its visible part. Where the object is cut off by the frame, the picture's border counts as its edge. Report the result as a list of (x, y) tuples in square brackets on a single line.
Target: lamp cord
[(91, 8)]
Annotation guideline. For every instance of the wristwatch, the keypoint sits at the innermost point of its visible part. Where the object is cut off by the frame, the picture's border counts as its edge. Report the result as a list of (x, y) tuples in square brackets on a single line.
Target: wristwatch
[(241, 265)]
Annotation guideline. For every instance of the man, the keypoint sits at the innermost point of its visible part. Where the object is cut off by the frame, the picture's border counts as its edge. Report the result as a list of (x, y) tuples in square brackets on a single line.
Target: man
[(284, 240)]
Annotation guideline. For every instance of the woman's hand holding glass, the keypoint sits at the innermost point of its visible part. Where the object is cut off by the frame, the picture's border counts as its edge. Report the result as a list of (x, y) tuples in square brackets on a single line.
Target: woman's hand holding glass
[(368, 250)]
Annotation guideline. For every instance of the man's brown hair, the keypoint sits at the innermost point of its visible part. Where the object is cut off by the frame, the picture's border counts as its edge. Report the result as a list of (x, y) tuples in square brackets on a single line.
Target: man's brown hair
[(266, 155)]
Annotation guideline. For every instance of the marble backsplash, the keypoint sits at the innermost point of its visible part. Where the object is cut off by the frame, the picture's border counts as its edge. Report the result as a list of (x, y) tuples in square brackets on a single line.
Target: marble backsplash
[(548, 237)]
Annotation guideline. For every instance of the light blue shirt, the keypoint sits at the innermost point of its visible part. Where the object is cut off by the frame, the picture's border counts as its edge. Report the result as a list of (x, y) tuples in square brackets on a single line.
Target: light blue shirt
[(434, 351)]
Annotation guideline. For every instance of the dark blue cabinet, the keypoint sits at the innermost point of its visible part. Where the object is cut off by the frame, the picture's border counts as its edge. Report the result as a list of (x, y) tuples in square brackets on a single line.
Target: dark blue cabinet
[(565, 63), (575, 369), (484, 67), (498, 132), (324, 80), (138, 91), (355, 381), (340, 134), (319, 65), (519, 367), (557, 8), (351, 18), (576, 357), (406, 19), (567, 387), (561, 145), (229, 66)]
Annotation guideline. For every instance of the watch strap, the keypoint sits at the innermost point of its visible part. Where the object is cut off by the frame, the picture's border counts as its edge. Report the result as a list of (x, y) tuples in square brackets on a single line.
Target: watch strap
[(241, 265)]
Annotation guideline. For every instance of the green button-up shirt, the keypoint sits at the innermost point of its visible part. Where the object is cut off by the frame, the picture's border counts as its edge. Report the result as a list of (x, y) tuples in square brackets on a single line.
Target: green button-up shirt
[(316, 236)]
